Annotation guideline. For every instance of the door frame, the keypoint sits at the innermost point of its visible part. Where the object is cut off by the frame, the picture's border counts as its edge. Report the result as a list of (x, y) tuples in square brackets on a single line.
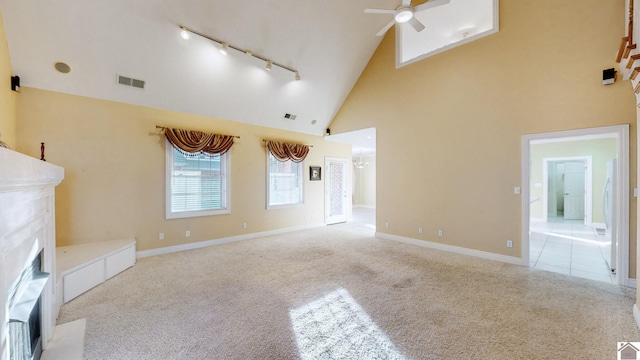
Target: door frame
[(621, 196), (588, 186), (327, 188)]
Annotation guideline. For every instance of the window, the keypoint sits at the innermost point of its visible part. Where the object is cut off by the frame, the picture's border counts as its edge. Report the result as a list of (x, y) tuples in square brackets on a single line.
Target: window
[(284, 183), (197, 185)]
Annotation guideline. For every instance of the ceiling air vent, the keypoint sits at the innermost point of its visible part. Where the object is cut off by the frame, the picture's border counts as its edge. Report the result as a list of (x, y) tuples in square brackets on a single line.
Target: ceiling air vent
[(123, 80), (290, 116)]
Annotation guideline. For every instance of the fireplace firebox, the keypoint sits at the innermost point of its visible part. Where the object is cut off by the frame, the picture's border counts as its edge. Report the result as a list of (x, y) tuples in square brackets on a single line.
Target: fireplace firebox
[(25, 321)]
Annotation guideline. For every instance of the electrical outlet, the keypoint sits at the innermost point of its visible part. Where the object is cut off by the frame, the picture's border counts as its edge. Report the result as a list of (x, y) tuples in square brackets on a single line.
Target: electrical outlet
[(386, 225), (440, 233), (187, 233), (419, 230), (509, 243), (244, 225), (161, 236)]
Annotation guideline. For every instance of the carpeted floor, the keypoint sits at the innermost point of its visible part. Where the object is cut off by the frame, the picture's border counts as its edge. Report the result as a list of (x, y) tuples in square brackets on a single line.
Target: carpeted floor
[(338, 293)]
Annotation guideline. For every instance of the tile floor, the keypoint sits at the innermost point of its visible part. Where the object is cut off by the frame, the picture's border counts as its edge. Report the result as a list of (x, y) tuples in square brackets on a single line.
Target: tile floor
[(364, 217), (569, 247)]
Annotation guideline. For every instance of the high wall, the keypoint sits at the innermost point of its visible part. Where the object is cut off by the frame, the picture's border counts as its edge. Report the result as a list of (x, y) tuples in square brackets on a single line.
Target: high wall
[(114, 161), (449, 127), (7, 97)]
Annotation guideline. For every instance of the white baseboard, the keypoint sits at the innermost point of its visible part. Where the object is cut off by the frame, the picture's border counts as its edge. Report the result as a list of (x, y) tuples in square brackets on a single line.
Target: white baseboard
[(596, 225), (364, 206), (631, 283), (537, 220), (636, 314), (201, 244), (454, 249)]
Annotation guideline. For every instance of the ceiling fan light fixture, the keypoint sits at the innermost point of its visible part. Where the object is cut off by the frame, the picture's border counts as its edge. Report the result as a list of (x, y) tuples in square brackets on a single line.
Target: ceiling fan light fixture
[(403, 14)]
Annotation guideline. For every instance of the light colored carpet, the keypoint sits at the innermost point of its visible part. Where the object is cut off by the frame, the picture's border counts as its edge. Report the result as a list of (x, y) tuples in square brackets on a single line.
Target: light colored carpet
[(339, 293)]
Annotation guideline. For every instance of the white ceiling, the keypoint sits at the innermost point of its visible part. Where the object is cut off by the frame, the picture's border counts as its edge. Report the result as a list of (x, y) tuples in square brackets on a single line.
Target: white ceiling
[(329, 42)]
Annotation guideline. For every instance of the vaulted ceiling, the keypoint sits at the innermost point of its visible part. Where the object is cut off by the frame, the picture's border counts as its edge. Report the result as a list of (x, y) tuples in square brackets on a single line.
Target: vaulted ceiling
[(328, 42)]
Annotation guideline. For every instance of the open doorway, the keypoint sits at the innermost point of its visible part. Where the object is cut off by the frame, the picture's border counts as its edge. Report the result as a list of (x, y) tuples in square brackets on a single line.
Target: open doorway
[(362, 168), (567, 185), (576, 203)]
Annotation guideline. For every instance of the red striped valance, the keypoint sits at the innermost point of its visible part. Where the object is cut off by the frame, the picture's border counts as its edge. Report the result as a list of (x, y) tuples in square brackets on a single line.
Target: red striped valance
[(286, 151), (193, 143)]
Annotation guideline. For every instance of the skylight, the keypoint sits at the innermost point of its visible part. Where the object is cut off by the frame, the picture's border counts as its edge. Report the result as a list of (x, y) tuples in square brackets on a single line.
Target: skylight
[(446, 27)]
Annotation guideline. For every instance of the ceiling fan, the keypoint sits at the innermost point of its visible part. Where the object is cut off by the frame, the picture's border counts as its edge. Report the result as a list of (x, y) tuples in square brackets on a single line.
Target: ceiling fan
[(405, 13)]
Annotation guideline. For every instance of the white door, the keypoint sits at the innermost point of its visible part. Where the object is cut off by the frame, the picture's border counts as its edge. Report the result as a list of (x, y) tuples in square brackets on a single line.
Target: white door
[(336, 190), (574, 190)]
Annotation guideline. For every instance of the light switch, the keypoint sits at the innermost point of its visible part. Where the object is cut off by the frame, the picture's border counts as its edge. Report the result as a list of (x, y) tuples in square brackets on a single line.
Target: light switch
[(516, 190)]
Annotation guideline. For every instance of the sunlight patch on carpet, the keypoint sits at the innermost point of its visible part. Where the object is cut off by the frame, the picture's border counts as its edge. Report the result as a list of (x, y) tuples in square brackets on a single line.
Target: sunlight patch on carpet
[(336, 327)]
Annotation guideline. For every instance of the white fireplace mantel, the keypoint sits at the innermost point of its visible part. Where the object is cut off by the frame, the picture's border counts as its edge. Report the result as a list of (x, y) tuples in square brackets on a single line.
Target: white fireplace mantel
[(27, 226)]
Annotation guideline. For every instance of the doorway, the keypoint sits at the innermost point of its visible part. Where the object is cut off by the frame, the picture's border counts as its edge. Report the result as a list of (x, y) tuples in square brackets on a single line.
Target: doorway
[(361, 207), (567, 188), (575, 234), (336, 191)]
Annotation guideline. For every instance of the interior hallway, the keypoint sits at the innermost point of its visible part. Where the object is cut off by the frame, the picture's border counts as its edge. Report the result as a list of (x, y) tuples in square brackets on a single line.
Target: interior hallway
[(364, 217), (569, 247)]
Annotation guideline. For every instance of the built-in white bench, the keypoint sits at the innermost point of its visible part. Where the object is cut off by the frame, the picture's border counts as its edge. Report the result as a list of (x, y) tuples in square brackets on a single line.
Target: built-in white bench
[(82, 267)]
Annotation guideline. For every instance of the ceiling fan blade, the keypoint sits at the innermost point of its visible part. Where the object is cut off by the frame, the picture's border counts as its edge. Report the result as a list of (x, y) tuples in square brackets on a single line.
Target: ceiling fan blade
[(416, 24), (406, 2), (378, 11), (386, 28), (431, 4)]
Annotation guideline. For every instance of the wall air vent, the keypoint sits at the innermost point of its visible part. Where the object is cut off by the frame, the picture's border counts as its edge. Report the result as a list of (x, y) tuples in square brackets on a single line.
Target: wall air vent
[(290, 116), (123, 80)]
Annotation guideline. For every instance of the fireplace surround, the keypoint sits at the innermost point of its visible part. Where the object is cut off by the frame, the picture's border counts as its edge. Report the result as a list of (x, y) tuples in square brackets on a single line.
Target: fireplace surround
[(27, 231)]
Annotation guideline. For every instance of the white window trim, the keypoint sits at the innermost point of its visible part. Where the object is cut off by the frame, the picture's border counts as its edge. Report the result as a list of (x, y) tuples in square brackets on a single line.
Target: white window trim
[(188, 214), (268, 184)]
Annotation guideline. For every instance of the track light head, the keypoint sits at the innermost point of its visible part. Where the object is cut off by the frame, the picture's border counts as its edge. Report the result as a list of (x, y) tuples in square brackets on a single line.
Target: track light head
[(184, 33), (224, 48), (269, 65), (297, 76)]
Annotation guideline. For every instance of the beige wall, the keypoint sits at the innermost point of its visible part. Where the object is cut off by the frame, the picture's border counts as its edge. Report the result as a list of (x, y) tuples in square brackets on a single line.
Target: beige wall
[(365, 182), (449, 127), (600, 151), (7, 97), (114, 160)]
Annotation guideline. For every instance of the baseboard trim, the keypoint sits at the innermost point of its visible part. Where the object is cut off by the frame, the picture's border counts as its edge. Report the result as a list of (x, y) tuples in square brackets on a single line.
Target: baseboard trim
[(454, 249), (537, 220), (631, 283), (636, 314), (364, 206), (230, 239), (598, 225)]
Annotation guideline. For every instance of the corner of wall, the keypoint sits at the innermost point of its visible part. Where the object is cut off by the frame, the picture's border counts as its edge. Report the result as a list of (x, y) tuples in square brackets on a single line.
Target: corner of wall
[(7, 96)]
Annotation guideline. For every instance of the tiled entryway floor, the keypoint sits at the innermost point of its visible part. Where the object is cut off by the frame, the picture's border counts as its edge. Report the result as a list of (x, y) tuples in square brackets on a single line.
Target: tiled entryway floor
[(569, 247)]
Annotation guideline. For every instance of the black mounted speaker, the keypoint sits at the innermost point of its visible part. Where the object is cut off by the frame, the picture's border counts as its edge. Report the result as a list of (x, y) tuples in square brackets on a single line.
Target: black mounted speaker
[(328, 131), (608, 76), (15, 83)]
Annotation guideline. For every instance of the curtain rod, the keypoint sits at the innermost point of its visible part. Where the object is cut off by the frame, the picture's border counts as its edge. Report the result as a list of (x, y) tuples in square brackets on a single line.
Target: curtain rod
[(164, 128), (265, 140)]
